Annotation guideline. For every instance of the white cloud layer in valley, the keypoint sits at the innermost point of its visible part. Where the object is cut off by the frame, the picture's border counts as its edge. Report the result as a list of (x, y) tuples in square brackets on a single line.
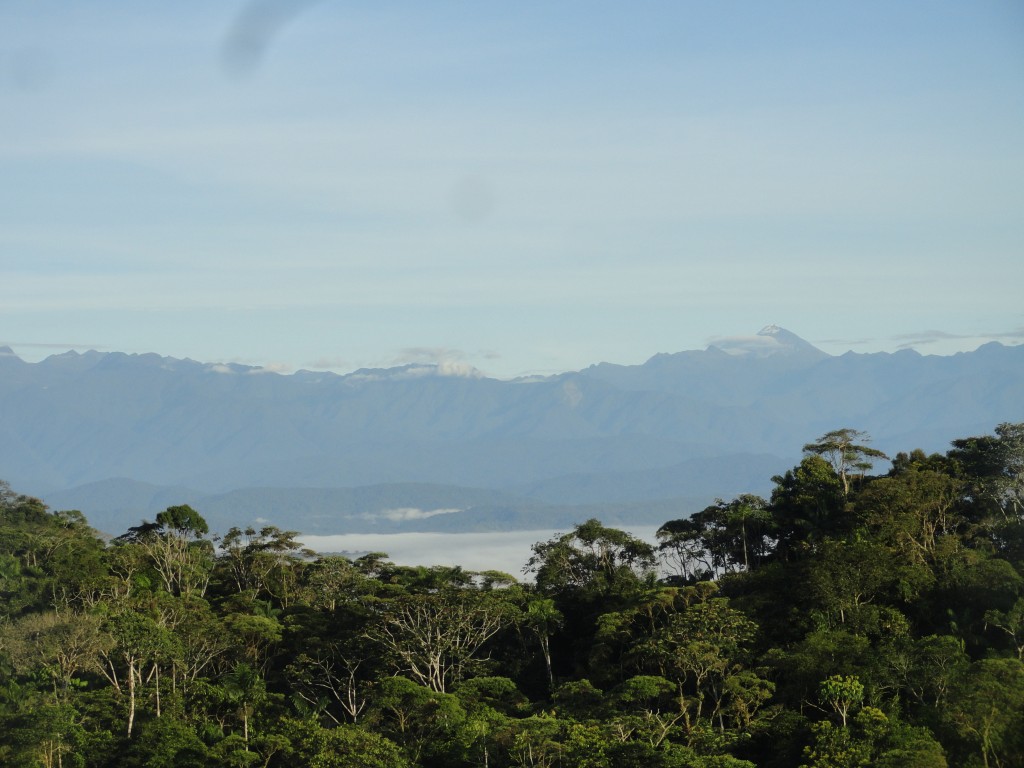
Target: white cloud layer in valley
[(506, 551)]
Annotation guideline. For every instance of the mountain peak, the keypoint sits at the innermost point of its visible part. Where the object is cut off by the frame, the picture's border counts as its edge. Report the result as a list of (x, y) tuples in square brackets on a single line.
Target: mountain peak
[(769, 341), (9, 355)]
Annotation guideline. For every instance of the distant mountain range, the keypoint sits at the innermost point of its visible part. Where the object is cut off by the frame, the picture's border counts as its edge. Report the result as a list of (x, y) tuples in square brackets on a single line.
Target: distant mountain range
[(428, 447)]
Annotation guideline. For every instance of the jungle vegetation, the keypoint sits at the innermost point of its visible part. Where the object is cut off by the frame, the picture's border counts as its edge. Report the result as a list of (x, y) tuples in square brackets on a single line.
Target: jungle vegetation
[(851, 619)]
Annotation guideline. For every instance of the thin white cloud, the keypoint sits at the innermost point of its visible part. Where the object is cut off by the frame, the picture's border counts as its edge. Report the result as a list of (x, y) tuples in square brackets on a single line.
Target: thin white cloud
[(740, 345), (421, 362), (923, 338), (272, 368), (458, 369), (403, 514), (927, 337)]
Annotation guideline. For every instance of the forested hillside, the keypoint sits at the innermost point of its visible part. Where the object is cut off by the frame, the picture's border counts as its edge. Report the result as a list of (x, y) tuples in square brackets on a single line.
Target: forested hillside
[(847, 620)]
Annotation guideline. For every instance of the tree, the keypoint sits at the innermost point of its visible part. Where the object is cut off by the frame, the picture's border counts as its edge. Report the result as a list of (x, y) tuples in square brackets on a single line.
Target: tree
[(437, 639), (994, 467), (593, 561), (345, 746), (654, 706), (493, 707), (333, 580), (936, 663), (848, 575), (255, 631), (423, 721), (871, 739), (842, 694), (684, 552), (807, 504), (701, 648), (58, 645), (748, 524), (136, 640), (730, 535), (43, 735), (166, 742), (912, 510), (543, 618), (201, 639), (263, 562), (47, 560), (841, 449), (245, 688), (988, 709), (334, 676), (176, 548), (535, 742), (50, 650), (1010, 622)]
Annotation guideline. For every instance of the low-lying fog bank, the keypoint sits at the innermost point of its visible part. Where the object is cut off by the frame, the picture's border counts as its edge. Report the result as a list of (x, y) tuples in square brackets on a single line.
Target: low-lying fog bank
[(499, 551)]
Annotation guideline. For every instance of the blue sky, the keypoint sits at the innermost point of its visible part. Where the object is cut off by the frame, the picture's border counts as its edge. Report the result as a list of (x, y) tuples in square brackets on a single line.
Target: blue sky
[(518, 186)]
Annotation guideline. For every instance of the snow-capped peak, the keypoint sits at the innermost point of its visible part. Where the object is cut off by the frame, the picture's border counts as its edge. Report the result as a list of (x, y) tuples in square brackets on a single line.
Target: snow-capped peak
[(769, 341)]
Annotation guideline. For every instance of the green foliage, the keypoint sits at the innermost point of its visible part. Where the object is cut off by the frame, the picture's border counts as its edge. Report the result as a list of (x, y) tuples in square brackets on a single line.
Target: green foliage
[(426, 724), (841, 449), (994, 470), (849, 621), (722, 538), (166, 742), (842, 694), (808, 505), (345, 746), (987, 708), (593, 561)]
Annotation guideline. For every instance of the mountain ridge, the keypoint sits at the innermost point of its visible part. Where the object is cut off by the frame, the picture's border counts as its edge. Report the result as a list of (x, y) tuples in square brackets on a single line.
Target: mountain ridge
[(621, 434)]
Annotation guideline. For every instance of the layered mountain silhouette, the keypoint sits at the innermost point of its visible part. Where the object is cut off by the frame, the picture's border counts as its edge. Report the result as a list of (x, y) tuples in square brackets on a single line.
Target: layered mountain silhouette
[(428, 447)]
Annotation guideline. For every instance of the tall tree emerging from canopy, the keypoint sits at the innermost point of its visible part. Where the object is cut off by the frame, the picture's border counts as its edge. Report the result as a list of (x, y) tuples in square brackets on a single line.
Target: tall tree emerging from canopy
[(176, 548), (593, 560), (847, 451)]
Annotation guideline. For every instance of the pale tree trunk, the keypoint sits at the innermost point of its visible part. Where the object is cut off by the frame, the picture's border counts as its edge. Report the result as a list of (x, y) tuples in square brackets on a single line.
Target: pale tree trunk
[(545, 646), (131, 696)]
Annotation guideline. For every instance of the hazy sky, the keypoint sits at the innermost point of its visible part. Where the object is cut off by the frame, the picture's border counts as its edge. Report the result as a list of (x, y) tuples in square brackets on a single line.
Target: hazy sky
[(520, 186)]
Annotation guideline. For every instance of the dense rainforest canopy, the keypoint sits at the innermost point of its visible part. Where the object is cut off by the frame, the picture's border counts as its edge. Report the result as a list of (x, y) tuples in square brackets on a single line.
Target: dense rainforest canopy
[(849, 620)]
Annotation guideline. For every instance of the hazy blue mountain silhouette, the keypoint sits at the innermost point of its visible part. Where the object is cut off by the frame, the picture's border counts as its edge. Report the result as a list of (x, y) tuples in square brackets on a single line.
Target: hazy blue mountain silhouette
[(122, 436)]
